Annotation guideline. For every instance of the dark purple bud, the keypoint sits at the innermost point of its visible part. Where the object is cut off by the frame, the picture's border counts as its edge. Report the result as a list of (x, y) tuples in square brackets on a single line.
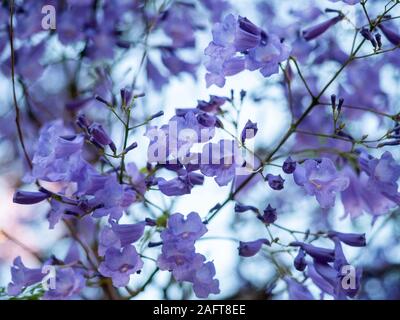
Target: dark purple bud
[(392, 36), (333, 101), (83, 122), (340, 105), (139, 95), (300, 260), (99, 135), (368, 35), (320, 254), (104, 101), (275, 182), (289, 166), (249, 131), (378, 39), (251, 248), (389, 143), (150, 222), (315, 31), (131, 147), (126, 96), (29, 197), (351, 239), (269, 216), (243, 208), (243, 94), (157, 115)]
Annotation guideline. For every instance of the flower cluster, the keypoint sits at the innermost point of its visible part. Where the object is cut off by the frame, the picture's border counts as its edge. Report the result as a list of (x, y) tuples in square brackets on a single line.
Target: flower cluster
[(180, 257)]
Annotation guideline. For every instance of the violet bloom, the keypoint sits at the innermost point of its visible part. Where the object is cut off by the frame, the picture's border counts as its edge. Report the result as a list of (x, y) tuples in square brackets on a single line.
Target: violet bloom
[(57, 158), (251, 248), (275, 182), (239, 44), (383, 174), (22, 277), (391, 35), (242, 208), (120, 264), (269, 215), (289, 166), (267, 56), (100, 137), (320, 179), (249, 131), (203, 281), (320, 254), (361, 196), (315, 31), (297, 291), (113, 198), (68, 284), (351, 239), (186, 229), (178, 254), (28, 197), (119, 235), (180, 185), (220, 160)]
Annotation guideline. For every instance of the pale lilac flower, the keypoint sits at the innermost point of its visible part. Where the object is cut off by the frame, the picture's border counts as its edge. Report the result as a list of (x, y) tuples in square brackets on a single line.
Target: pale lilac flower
[(321, 179)]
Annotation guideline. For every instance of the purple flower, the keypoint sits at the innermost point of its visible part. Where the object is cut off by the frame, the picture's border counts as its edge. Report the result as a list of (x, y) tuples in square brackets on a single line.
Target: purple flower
[(321, 179), (269, 215), (187, 229), (220, 160), (249, 131), (100, 137), (28, 197), (113, 198), (128, 233), (275, 182), (351, 239), (289, 166), (239, 44), (319, 254), (178, 254), (68, 284), (383, 174), (119, 264), (267, 56), (242, 208), (391, 35), (56, 158), (22, 277), (203, 281), (251, 248), (180, 185), (315, 31), (297, 291), (361, 196)]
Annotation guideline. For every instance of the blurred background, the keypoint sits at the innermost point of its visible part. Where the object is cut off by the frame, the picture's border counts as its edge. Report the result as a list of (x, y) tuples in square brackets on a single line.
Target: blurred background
[(159, 47)]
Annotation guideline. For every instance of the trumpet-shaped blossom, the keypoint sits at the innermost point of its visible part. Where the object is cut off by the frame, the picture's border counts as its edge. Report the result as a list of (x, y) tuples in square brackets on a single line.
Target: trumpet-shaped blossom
[(321, 179)]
